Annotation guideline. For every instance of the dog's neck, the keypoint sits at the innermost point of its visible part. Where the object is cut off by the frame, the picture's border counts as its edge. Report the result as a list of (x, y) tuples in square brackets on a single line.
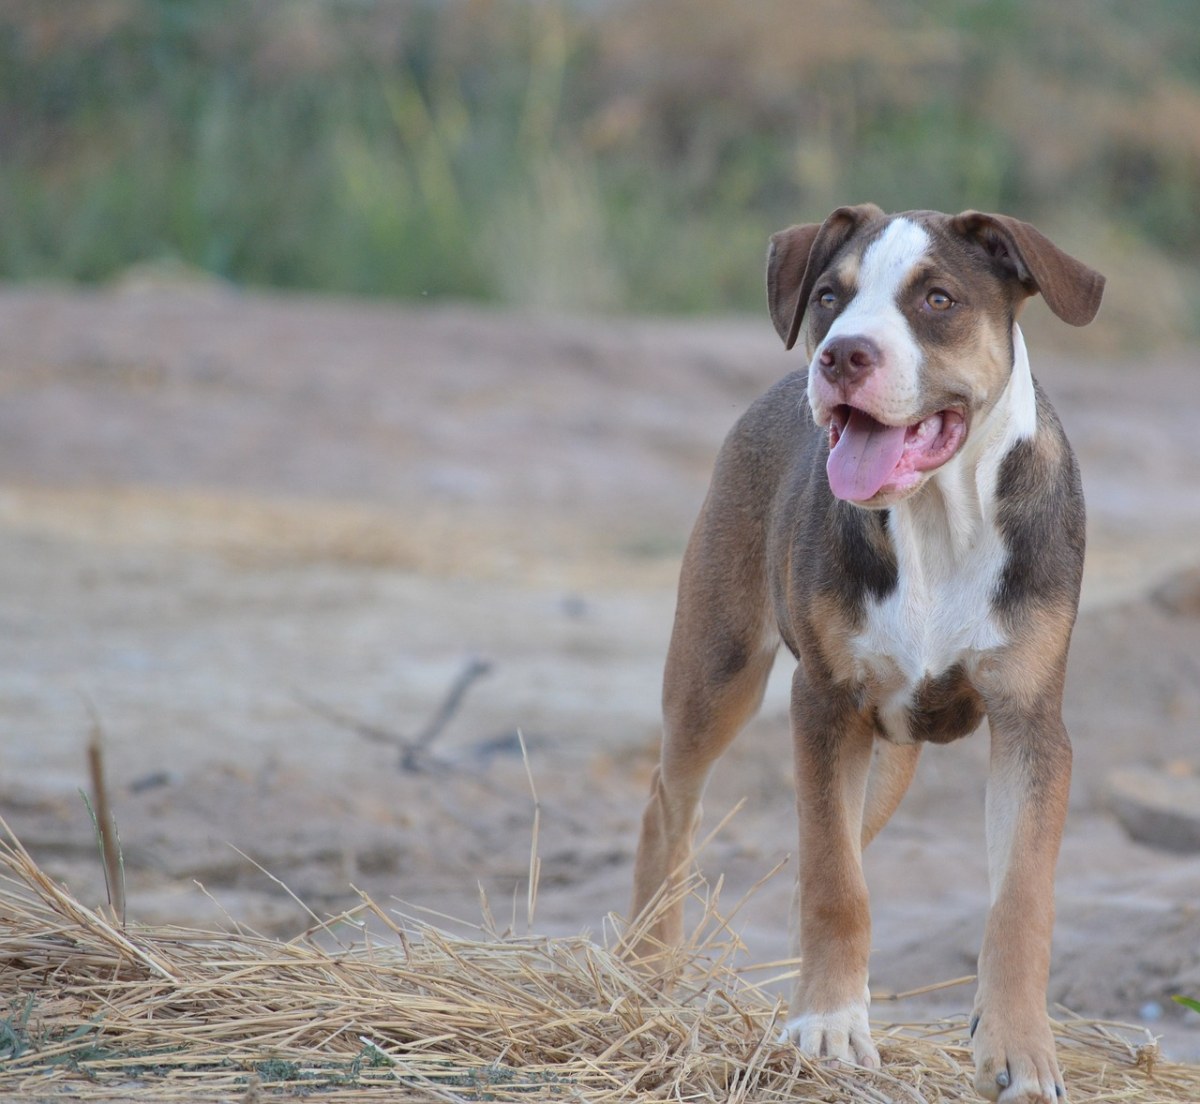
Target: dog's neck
[(958, 503)]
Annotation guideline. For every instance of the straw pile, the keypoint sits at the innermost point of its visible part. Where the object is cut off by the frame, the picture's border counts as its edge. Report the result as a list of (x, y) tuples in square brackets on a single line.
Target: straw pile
[(93, 1010)]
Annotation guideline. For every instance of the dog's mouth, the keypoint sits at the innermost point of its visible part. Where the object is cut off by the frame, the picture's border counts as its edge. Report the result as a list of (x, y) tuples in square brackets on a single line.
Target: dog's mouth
[(866, 456)]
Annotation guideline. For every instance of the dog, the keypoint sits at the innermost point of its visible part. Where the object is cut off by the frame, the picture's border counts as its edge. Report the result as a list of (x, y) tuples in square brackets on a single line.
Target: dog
[(906, 517)]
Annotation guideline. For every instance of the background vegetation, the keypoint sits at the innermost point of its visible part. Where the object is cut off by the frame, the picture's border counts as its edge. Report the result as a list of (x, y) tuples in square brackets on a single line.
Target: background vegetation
[(629, 154)]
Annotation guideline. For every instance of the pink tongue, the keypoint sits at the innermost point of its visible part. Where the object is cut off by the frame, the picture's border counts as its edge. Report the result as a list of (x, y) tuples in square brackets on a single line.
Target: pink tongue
[(866, 454)]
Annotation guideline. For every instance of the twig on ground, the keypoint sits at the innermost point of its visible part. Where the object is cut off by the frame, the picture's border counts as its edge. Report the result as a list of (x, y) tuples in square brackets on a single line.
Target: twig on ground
[(415, 754), (475, 668)]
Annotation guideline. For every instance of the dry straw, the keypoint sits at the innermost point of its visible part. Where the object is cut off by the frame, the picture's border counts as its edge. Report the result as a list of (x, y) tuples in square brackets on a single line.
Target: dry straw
[(367, 1007)]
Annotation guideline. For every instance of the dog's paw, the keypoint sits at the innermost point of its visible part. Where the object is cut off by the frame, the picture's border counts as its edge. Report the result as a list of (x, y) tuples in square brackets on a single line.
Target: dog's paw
[(1015, 1060), (843, 1035)]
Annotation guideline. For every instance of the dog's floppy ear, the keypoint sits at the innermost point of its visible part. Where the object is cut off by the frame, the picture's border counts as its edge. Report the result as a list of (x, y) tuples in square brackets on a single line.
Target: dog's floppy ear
[(787, 259), (798, 255), (1071, 289)]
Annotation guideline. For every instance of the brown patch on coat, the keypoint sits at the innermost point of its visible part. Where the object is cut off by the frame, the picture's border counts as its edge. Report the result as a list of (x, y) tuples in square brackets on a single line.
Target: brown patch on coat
[(827, 629), (1040, 513), (945, 707)]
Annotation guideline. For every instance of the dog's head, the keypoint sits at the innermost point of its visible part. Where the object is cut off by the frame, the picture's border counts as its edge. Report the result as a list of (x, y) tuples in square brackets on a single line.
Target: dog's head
[(908, 323)]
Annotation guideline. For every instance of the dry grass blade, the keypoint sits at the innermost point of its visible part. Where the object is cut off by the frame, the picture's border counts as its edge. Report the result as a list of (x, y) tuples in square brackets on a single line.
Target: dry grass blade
[(105, 821), (167, 1014), (535, 860)]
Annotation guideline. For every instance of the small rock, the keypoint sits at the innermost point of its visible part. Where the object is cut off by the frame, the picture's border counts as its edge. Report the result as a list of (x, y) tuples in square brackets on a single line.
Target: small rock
[(1180, 594), (574, 606), (1158, 808)]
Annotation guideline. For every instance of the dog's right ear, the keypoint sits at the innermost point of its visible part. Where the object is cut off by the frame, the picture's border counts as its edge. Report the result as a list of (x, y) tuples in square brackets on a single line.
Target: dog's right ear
[(798, 255), (787, 260)]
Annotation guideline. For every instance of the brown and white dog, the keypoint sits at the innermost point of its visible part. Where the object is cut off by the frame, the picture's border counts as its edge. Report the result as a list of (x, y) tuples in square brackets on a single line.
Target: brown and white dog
[(907, 518)]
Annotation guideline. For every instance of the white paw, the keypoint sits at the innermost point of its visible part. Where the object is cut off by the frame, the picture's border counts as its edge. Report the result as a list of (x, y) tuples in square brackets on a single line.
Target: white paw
[(1017, 1065), (844, 1035)]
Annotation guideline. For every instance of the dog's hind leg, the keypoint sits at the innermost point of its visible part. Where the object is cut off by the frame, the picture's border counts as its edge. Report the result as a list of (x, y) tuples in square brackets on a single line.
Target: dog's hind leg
[(700, 721), (892, 769), (722, 649)]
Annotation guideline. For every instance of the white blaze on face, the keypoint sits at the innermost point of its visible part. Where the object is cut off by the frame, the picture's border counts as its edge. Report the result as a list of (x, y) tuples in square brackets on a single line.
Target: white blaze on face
[(892, 394)]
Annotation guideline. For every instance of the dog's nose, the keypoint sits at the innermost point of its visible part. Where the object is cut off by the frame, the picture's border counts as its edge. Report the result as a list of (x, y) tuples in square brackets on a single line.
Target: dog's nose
[(848, 359)]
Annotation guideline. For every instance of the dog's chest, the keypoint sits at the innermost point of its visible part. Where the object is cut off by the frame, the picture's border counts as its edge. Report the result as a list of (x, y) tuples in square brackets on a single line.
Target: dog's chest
[(919, 646)]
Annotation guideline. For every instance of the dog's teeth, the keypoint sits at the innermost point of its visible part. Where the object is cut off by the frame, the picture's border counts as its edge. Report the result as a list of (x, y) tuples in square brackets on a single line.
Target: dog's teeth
[(927, 430)]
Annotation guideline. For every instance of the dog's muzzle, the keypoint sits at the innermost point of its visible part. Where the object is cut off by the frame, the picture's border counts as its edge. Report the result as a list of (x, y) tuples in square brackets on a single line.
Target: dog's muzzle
[(867, 457)]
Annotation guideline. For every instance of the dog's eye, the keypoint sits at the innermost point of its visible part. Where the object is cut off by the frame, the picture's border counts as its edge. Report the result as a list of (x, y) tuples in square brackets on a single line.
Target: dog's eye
[(827, 299), (938, 300)]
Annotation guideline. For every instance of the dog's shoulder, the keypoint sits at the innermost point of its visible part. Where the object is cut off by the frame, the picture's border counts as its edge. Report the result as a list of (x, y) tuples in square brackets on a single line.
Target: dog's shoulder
[(1040, 514), (779, 414), (766, 441)]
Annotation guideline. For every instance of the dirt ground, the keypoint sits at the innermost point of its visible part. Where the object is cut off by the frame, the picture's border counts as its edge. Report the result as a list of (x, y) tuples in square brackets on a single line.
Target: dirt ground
[(260, 537)]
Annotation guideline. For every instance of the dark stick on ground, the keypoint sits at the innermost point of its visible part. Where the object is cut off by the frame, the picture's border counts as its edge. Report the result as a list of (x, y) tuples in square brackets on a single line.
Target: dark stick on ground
[(415, 755), (475, 668)]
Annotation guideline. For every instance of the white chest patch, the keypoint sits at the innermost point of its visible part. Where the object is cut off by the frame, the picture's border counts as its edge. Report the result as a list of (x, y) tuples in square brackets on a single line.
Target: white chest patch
[(939, 614), (950, 556)]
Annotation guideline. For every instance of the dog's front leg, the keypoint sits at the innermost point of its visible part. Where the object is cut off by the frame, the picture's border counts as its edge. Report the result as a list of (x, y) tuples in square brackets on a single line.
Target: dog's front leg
[(833, 743), (1028, 783)]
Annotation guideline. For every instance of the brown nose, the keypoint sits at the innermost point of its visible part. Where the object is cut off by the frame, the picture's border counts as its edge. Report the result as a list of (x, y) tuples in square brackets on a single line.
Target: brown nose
[(849, 359)]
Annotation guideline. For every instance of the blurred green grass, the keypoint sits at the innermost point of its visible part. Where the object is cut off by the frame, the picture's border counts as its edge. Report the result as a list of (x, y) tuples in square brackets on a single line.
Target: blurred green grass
[(630, 155)]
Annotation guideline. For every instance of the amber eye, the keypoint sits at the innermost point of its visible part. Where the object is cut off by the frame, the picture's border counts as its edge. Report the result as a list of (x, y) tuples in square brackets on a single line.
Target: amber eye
[(938, 300), (827, 299)]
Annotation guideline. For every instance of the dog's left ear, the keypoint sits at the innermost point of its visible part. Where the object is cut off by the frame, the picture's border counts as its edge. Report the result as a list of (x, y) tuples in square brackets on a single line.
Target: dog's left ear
[(1071, 289)]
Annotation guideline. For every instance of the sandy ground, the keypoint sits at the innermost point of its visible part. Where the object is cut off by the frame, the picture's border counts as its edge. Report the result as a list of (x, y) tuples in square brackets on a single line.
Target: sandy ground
[(259, 537)]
